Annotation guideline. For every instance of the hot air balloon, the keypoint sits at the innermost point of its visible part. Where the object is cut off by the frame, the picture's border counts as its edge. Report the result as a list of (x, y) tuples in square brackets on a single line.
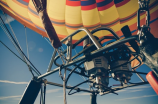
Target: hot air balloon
[(98, 18)]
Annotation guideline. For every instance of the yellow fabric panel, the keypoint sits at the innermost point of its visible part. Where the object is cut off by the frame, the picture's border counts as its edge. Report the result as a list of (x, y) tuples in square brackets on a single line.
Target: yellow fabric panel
[(73, 20), (56, 12), (90, 17), (109, 16), (99, 34), (73, 15), (10, 10), (128, 9), (18, 8), (91, 20), (61, 31), (34, 18), (151, 1), (48, 2), (154, 9), (56, 9), (130, 22)]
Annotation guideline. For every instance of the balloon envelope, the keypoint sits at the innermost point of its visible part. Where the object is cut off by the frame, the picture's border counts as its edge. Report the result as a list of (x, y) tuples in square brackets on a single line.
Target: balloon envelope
[(69, 15)]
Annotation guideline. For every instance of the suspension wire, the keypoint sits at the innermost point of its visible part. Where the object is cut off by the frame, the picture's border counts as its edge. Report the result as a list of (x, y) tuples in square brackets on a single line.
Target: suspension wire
[(17, 55), (5, 29), (64, 78), (47, 41), (13, 52), (77, 68), (10, 38), (19, 58), (14, 42), (12, 31), (15, 47), (73, 71), (79, 71), (82, 76), (15, 38), (27, 46), (26, 43)]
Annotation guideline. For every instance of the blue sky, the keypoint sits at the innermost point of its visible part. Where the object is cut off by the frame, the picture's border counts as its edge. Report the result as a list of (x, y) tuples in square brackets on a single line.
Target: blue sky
[(14, 74)]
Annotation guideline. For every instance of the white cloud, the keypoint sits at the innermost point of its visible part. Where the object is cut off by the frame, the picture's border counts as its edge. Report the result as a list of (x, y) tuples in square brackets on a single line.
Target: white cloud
[(12, 82), (60, 96), (138, 97), (78, 94), (40, 49), (82, 94), (139, 87), (121, 91), (54, 90), (9, 19), (133, 89), (136, 90), (31, 45), (10, 97)]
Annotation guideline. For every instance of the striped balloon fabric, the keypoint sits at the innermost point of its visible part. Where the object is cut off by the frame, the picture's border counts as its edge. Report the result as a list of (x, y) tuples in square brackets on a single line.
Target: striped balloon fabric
[(69, 15)]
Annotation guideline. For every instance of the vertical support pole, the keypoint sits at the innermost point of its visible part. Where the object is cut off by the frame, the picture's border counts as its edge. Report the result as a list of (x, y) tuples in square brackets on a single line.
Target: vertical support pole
[(69, 49), (51, 61), (44, 100), (93, 98)]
